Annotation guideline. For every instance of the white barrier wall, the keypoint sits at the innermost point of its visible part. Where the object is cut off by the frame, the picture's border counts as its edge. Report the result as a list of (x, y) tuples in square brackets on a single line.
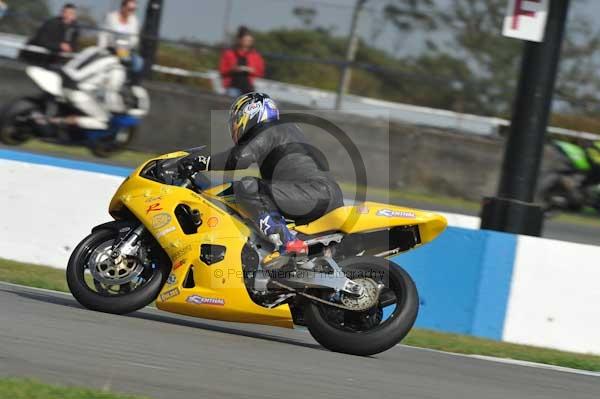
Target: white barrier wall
[(555, 296), (47, 210)]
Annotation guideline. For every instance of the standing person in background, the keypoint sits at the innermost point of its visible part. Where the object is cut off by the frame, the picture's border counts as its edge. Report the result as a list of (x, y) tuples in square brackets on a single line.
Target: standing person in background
[(241, 65), (123, 26), (58, 35), (3, 8)]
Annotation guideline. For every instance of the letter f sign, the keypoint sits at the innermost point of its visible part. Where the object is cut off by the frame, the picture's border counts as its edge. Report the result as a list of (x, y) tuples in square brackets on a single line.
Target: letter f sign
[(526, 19)]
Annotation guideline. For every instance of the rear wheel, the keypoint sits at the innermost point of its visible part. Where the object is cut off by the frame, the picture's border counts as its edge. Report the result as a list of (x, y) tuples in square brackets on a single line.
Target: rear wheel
[(99, 284), (14, 127), (369, 331)]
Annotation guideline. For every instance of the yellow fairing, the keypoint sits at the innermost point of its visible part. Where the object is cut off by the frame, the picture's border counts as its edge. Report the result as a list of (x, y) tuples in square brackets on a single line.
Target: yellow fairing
[(219, 291), (372, 216)]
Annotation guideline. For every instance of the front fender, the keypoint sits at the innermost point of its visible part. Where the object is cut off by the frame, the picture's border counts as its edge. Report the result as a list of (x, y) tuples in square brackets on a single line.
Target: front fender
[(117, 225)]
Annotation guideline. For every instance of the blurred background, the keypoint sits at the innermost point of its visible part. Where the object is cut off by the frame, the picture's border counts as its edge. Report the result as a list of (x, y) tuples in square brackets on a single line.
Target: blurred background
[(445, 54)]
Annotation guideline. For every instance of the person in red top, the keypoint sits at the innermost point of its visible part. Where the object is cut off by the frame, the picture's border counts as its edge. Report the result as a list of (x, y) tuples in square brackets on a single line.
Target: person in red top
[(239, 66)]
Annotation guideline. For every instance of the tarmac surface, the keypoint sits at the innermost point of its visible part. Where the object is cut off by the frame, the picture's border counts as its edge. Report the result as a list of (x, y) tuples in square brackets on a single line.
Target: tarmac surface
[(48, 336)]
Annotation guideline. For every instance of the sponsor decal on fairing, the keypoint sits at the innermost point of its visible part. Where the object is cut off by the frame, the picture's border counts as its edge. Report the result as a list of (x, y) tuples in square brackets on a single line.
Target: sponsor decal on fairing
[(169, 294), (161, 220), (388, 213), (172, 279), (154, 208), (166, 231), (200, 300)]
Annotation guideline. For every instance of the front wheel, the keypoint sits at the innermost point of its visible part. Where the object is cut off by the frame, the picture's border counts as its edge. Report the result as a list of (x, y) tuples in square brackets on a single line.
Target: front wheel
[(377, 329), (101, 284)]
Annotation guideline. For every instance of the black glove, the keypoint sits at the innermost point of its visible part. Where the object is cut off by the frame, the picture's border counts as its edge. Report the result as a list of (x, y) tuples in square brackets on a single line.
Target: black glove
[(192, 164)]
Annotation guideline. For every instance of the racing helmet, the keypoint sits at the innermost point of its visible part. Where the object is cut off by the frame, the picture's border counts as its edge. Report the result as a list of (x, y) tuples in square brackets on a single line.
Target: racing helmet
[(248, 111)]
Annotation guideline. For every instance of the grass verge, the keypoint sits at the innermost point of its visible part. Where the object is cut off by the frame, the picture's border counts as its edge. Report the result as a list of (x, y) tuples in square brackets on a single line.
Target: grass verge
[(54, 279), (33, 276), (124, 158), (476, 346), (30, 389)]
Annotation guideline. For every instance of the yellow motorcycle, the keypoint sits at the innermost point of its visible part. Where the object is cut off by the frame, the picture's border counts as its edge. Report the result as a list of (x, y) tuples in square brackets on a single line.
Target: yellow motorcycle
[(183, 242)]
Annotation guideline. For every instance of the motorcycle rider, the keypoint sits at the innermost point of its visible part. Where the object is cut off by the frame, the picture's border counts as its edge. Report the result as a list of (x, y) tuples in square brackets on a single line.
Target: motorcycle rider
[(93, 83), (295, 182)]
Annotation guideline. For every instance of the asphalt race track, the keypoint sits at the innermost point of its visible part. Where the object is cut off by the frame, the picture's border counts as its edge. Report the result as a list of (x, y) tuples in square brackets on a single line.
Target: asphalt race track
[(48, 336)]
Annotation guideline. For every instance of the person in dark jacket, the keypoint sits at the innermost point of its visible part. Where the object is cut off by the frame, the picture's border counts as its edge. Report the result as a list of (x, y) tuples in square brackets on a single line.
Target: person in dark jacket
[(295, 182), (57, 35), (241, 65)]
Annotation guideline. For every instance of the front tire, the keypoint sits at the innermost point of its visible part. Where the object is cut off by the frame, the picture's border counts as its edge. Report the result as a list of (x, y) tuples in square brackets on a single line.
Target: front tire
[(338, 331), (97, 296)]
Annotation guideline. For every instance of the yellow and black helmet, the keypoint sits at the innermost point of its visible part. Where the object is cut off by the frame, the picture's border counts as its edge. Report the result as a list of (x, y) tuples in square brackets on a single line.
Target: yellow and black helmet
[(248, 111)]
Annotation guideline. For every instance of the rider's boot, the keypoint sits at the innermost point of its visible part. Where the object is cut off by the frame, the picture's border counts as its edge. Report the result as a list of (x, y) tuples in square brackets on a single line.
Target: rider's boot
[(274, 227)]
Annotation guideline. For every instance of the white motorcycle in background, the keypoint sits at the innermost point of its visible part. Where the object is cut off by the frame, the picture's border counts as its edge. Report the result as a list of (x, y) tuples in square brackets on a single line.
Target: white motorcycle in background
[(32, 116)]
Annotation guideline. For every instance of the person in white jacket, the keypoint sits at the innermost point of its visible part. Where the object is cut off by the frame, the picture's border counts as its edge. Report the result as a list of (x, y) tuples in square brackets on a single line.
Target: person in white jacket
[(122, 26)]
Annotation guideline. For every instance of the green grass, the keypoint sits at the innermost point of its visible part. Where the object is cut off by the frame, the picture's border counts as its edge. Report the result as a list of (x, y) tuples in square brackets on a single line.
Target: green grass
[(33, 276), (30, 389), (476, 346), (124, 158), (49, 278)]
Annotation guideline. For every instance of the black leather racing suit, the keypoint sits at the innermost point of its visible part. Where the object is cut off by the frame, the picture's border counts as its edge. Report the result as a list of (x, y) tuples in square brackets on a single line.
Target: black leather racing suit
[(295, 178)]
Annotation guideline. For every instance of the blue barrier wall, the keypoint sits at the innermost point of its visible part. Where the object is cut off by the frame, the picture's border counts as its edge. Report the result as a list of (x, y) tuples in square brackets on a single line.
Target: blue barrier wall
[(463, 278)]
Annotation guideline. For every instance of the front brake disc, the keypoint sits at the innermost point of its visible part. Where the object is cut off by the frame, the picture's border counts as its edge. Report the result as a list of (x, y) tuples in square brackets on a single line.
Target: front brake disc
[(108, 272)]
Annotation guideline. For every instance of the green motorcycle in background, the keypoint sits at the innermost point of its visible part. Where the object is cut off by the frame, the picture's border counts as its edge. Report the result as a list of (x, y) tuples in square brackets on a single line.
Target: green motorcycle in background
[(574, 182)]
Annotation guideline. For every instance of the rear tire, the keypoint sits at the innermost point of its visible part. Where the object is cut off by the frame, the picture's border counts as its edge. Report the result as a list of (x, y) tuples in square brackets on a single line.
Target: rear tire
[(105, 148), (381, 337), (93, 300), (10, 133)]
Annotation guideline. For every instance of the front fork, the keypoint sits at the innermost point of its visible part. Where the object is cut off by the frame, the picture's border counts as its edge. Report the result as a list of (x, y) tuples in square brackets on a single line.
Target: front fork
[(128, 246)]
